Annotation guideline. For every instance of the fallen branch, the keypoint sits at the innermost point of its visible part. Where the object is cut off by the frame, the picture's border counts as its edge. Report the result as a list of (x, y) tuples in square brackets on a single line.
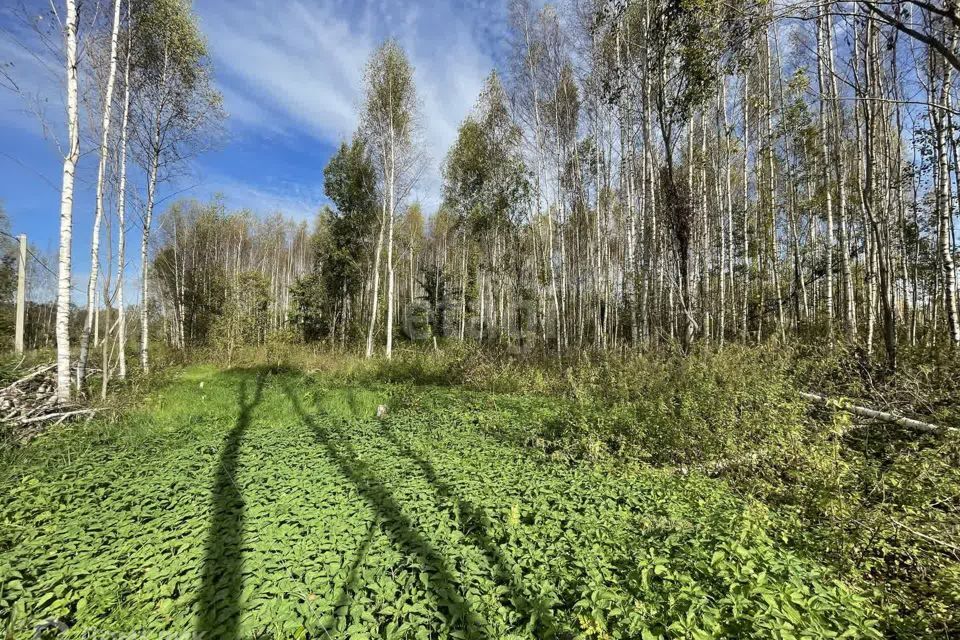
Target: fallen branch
[(719, 467), (29, 406), (883, 416), (59, 417), (924, 536), (29, 376)]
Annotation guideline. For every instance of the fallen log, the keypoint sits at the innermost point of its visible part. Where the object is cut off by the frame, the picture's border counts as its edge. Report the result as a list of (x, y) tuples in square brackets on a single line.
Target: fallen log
[(873, 414)]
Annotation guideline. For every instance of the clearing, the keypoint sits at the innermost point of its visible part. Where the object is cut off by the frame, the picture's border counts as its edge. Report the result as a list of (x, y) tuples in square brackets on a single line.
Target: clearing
[(257, 503)]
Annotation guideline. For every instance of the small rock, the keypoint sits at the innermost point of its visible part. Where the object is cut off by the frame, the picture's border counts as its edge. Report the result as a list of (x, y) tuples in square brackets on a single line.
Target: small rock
[(381, 410)]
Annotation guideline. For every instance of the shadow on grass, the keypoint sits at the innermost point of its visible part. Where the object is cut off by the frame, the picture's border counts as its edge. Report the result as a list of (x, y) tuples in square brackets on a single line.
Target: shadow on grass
[(343, 594), (476, 525), (448, 593), (219, 601)]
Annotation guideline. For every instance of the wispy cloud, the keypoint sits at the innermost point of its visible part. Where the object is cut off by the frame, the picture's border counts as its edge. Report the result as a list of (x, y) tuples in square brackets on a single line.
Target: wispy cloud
[(291, 72), (295, 200), (295, 68)]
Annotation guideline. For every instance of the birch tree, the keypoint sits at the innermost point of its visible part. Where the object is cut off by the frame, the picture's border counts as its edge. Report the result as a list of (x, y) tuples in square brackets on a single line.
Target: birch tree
[(98, 206), (69, 26), (176, 110), (389, 119), (122, 205), (687, 181), (941, 79), (686, 44)]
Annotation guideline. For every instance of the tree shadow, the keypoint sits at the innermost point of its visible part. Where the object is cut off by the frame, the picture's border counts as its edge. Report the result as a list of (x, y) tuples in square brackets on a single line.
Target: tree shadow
[(442, 582), (342, 594), (219, 600), (476, 525)]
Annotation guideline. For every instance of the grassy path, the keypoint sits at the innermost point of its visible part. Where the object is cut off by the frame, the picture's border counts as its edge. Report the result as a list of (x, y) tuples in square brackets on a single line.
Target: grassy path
[(250, 504)]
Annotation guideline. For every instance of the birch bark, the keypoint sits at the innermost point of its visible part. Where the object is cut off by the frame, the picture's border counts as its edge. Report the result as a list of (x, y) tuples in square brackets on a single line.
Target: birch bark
[(66, 205), (98, 211)]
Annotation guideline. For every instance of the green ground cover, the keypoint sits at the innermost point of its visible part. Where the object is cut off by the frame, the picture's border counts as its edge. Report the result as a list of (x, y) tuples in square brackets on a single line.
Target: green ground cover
[(253, 503)]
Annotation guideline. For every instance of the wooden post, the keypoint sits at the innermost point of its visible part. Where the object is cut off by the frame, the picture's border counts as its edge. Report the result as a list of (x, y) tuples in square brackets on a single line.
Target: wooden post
[(21, 293)]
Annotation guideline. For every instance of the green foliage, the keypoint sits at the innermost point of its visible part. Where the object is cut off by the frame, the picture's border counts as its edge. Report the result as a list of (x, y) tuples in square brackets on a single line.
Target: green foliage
[(8, 279), (308, 297), (697, 411), (485, 179), (343, 244), (436, 286), (466, 167), (689, 42), (602, 528), (209, 272), (324, 520), (195, 279), (876, 502), (390, 103), (168, 45), (243, 319), (176, 108), (350, 181)]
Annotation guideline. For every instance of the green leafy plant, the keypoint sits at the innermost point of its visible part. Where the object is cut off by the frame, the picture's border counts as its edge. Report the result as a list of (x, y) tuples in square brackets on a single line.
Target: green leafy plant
[(263, 502)]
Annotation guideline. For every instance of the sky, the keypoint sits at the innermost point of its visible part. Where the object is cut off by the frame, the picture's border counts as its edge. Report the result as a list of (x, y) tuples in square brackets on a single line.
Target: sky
[(291, 73)]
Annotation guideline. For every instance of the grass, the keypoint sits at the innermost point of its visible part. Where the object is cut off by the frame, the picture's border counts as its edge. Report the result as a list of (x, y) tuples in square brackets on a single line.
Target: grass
[(271, 503)]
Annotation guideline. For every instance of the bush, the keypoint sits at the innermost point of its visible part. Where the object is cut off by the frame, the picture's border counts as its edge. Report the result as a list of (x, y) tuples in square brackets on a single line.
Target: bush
[(713, 409), (880, 504)]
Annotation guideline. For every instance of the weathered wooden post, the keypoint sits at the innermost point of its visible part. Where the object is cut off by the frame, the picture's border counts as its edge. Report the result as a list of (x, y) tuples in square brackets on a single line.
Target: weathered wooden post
[(21, 293)]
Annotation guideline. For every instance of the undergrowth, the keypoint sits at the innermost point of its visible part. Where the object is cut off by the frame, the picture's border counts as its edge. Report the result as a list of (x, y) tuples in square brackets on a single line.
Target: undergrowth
[(879, 504), (876, 507), (266, 503)]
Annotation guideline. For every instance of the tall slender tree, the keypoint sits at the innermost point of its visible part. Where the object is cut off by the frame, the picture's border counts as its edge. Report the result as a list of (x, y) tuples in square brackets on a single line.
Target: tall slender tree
[(122, 205), (390, 120), (104, 151), (176, 108), (69, 26)]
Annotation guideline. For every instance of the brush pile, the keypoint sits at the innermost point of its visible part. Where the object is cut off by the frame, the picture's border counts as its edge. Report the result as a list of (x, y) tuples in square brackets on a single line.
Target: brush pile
[(29, 405)]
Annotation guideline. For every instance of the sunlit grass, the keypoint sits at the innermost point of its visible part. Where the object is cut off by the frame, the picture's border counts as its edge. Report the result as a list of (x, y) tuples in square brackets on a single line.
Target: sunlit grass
[(249, 502)]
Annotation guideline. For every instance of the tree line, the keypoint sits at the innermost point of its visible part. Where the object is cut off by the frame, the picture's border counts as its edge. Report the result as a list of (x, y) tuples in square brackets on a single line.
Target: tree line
[(638, 173), (665, 171), (224, 279)]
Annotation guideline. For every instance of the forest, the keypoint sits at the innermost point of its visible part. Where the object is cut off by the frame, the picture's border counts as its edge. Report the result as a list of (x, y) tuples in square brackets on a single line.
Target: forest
[(668, 349)]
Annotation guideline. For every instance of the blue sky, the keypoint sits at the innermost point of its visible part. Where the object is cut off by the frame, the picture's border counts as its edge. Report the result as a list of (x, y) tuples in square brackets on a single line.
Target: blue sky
[(291, 73)]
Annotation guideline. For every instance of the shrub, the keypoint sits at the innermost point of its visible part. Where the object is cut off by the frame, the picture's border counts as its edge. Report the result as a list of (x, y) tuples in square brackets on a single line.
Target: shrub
[(708, 410)]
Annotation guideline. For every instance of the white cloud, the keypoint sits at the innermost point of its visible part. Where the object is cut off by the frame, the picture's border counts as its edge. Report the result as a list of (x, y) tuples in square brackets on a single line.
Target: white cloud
[(33, 95), (296, 68), (286, 71), (294, 200)]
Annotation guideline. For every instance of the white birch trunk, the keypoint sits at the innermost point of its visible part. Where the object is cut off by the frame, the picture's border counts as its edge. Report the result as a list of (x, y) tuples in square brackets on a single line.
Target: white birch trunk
[(825, 170), (121, 219), (944, 214), (98, 211), (374, 302), (391, 178), (145, 267), (66, 206)]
